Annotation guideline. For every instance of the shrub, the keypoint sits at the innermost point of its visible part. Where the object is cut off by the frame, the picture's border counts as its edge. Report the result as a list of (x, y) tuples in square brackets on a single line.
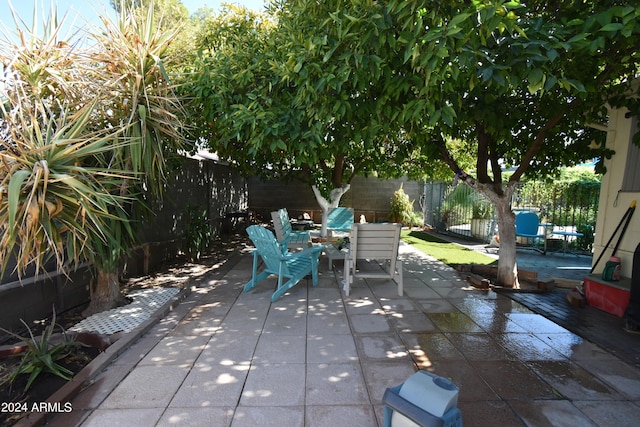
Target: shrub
[(585, 241), (481, 208), (197, 234), (402, 209)]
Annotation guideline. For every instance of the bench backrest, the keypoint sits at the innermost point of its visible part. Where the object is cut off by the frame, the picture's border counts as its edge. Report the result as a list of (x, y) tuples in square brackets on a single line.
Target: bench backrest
[(281, 224), (375, 241)]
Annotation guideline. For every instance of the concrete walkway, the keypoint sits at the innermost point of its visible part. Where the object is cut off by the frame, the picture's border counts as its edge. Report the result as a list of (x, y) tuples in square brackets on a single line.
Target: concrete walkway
[(588, 322), (319, 358)]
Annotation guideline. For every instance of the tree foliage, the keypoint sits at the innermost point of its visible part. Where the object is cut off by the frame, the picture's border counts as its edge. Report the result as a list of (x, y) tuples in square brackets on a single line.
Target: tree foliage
[(298, 93), (523, 84), (520, 82)]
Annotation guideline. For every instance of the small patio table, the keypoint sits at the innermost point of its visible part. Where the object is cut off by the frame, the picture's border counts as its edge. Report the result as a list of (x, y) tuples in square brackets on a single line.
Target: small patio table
[(565, 242), (335, 251)]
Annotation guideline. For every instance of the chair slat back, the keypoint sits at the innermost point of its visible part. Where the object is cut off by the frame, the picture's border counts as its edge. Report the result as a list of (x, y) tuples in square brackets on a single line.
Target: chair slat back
[(375, 241), (268, 247), (527, 223), (340, 219), (285, 221)]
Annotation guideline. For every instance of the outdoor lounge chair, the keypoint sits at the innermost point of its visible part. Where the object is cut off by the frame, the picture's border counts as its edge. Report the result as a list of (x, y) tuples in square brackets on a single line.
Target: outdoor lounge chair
[(374, 241), (287, 237), (293, 266), (528, 227)]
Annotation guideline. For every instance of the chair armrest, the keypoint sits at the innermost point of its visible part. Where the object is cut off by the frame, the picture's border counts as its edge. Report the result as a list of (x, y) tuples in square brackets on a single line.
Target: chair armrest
[(306, 252), (530, 235)]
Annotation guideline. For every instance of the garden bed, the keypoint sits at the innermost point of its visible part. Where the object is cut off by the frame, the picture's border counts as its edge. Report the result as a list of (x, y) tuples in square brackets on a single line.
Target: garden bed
[(17, 403)]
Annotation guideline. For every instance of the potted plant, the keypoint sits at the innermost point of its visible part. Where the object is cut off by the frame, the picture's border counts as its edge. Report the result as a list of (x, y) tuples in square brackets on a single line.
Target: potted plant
[(481, 215)]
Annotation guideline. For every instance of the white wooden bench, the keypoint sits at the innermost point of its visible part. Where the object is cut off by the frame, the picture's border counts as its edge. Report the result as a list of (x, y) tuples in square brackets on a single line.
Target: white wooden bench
[(286, 236), (374, 242)]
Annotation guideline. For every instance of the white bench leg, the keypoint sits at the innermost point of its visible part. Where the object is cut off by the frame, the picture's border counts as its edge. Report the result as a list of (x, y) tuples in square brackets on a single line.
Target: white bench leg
[(346, 285), (399, 277)]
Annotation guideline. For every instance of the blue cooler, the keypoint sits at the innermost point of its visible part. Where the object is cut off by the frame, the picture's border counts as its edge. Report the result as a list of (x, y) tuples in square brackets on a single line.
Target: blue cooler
[(425, 400)]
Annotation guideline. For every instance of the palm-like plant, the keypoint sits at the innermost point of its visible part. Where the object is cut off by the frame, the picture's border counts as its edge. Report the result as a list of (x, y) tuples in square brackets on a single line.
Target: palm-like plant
[(56, 190), (87, 133), (133, 56), (53, 202), (43, 354)]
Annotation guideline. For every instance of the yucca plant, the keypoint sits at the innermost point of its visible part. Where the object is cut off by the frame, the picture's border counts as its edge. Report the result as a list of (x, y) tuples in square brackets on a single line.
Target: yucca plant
[(56, 185), (132, 53), (54, 198), (87, 135)]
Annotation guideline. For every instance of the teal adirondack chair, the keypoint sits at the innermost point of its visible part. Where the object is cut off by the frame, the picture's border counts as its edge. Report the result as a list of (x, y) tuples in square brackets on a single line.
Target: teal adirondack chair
[(339, 219), (293, 266)]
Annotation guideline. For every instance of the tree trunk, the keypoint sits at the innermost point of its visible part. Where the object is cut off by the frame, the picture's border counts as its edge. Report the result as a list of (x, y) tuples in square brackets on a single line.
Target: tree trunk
[(105, 293), (327, 205), (507, 266)]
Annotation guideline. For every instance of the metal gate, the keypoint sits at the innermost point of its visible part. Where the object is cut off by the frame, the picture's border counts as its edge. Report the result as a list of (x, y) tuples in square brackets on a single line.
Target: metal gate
[(459, 209)]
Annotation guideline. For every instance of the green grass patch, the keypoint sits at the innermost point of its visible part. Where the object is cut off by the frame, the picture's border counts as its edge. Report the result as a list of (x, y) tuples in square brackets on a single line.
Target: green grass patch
[(450, 253)]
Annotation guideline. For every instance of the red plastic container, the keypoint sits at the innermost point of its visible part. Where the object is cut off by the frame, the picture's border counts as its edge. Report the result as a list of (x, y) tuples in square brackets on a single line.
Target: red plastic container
[(612, 297)]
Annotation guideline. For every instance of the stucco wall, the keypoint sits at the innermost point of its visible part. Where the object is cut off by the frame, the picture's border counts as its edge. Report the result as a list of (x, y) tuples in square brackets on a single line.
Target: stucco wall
[(613, 203)]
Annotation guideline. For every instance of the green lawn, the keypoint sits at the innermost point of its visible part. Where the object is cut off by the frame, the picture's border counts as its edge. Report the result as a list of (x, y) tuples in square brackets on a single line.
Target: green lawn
[(447, 252)]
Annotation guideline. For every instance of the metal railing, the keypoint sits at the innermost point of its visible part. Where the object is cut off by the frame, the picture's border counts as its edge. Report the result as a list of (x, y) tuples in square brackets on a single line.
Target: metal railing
[(571, 206)]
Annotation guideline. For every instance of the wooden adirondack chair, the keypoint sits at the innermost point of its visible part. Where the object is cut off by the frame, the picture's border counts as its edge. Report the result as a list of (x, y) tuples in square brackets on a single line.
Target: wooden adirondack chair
[(293, 266), (287, 237), (374, 241)]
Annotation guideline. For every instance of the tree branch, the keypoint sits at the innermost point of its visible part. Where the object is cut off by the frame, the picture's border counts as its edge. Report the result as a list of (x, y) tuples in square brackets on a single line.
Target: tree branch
[(338, 171), (356, 168), (496, 168), (445, 155), (534, 148), (483, 153)]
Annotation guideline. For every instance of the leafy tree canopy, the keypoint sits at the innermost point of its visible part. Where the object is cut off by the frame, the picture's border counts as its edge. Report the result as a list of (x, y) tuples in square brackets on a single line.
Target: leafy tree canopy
[(300, 94), (522, 83), (170, 12), (337, 88), (325, 91), (525, 85)]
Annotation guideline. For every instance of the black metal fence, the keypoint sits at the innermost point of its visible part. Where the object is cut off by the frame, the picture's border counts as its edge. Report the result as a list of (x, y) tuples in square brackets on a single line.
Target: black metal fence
[(566, 206)]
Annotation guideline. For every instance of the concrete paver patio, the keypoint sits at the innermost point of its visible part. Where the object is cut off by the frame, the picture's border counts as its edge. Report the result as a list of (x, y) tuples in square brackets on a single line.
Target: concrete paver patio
[(319, 358)]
